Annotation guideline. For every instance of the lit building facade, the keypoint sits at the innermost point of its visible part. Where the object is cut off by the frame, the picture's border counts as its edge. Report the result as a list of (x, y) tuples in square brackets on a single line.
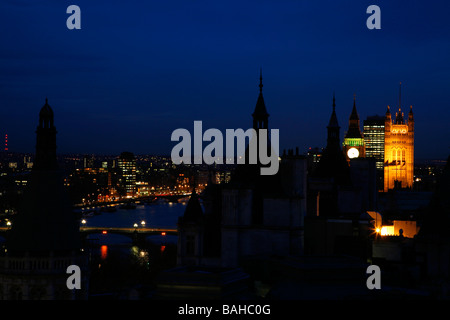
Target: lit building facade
[(127, 166), (374, 144), (374, 139), (398, 150)]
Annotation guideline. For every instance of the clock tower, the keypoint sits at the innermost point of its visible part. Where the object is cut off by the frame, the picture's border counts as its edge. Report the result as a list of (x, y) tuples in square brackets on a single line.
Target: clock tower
[(398, 150), (353, 145)]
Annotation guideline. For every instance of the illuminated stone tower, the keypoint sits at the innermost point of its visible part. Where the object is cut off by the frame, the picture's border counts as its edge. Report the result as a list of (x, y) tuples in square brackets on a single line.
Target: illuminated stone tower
[(353, 145), (398, 150)]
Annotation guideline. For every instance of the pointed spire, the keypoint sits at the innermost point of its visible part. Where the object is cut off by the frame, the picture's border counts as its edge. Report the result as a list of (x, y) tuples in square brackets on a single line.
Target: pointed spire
[(260, 115), (333, 119), (194, 211), (260, 80), (354, 130), (354, 115), (400, 96)]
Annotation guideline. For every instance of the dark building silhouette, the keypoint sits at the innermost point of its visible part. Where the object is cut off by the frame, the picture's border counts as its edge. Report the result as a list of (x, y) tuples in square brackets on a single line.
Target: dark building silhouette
[(331, 172), (250, 219), (333, 163), (342, 185), (191, 228), (433, 239), (44, 239), (45, 140), (340, 191), (252, 215), (250, 173)]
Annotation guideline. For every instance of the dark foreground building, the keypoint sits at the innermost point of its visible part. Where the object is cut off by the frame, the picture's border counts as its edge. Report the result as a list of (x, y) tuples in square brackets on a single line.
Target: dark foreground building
[(250, 219), (44, 240)]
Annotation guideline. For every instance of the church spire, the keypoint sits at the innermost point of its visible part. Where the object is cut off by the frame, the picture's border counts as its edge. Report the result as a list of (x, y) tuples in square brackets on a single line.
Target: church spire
[(333, 123), (260, 81), (333, 140), (260, 115)]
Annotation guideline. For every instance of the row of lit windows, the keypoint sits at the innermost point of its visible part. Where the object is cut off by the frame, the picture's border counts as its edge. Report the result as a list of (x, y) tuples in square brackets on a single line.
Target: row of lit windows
[(398, 154)]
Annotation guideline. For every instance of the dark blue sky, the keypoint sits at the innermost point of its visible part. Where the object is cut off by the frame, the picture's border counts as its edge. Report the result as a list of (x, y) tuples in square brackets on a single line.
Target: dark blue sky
[(137, 70)]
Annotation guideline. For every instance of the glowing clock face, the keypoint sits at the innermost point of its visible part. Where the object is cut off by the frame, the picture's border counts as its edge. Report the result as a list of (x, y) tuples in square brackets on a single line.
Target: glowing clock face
[(353, 153)]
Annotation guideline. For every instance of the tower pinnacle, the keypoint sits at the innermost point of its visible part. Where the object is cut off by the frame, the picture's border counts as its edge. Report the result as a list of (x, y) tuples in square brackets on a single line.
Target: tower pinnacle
[(260, 115), (45, 140), (260, 80)]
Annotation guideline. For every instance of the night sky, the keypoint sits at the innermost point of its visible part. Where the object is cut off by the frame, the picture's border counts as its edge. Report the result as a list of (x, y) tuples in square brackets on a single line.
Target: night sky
[(137, 70)]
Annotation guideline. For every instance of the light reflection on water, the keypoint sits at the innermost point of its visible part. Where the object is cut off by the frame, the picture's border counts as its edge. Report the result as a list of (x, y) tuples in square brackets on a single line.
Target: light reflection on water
[(163, 215), (140, 255), (103, 252)]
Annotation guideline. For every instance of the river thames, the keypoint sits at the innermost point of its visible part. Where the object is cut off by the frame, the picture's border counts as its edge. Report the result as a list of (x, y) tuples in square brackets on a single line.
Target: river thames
[(120, 267), (156, 215)]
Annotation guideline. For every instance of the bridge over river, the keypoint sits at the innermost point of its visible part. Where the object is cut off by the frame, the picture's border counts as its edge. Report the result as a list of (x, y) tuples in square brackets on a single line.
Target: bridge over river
[(128, 231), (137, 234)]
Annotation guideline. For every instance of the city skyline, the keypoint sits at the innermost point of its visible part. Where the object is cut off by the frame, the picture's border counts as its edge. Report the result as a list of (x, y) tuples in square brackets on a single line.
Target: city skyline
[(130, 77), (254, 151)]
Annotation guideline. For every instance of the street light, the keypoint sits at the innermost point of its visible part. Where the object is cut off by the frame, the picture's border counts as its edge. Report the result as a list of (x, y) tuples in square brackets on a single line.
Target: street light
[(135, 225), (143, 223)]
